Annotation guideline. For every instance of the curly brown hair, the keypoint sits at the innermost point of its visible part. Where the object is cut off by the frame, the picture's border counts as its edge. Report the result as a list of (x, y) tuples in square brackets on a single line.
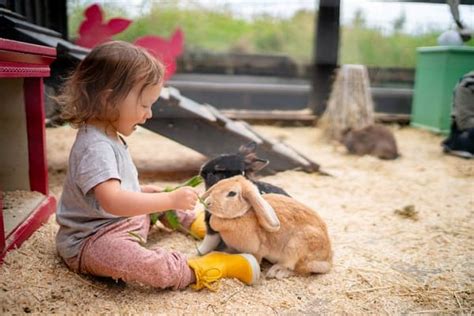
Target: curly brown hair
[(107, 74)]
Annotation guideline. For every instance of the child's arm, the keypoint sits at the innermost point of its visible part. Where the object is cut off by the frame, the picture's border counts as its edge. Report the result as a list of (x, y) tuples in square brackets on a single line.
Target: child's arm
[(126, 203), (149, 188)]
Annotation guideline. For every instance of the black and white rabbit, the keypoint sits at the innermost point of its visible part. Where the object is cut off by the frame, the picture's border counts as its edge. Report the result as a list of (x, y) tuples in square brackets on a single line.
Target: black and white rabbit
[(246, 163)]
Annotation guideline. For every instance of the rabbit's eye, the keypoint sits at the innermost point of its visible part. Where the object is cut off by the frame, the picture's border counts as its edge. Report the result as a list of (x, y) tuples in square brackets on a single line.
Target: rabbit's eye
[(231, 193)]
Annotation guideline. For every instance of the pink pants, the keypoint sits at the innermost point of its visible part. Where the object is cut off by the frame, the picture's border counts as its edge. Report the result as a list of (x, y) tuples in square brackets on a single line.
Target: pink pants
[(113, 252)]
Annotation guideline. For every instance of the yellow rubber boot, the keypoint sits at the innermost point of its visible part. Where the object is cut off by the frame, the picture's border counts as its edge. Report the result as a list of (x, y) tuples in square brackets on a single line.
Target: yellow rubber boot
[(217, 265), (198, 227)]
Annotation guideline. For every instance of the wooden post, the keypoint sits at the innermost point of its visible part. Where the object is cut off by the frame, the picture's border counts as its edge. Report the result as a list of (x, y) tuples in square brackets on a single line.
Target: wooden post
[(38, 169), (325, 54)]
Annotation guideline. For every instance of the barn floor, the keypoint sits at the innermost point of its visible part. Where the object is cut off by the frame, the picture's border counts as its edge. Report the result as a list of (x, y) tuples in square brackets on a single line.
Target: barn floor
[(402, 234)]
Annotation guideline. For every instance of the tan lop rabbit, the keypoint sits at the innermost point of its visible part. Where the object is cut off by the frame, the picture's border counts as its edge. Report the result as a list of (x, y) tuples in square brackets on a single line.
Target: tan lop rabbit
[(272, 226)]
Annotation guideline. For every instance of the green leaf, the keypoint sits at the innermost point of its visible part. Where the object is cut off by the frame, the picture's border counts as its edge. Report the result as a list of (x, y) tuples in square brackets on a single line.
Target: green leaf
[(171, 215), (190, 233), (154, 218), (203, 203), (168, 189), (194, 181), (172, 219), (139, 238)]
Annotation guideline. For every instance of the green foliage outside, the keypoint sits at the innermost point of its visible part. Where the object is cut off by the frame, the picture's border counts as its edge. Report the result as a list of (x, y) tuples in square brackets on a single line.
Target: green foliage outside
[(371, 47), (219, 31)]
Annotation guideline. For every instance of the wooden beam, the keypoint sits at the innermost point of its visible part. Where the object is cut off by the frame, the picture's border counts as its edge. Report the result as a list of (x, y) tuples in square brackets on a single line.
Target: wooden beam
[(326, 53), (275, 115), (56, 11)]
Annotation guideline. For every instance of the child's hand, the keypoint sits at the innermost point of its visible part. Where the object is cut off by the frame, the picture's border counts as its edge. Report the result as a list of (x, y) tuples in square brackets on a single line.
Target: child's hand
[(185, 198)]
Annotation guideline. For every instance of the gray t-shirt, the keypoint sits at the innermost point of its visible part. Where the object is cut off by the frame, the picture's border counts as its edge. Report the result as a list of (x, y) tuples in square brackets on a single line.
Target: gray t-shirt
[(94, 158)]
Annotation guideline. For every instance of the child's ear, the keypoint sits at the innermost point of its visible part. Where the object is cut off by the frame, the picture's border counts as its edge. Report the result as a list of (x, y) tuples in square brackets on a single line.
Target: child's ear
[(105, 96), (106, 104)]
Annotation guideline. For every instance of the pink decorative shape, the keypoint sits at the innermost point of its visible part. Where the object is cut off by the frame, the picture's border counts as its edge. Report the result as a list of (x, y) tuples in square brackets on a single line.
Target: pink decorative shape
[(166, 50), (94, 31)]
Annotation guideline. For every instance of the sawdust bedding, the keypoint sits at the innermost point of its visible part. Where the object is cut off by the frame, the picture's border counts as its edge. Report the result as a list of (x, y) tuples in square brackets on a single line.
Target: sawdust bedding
[(401, 231), (17, 205)]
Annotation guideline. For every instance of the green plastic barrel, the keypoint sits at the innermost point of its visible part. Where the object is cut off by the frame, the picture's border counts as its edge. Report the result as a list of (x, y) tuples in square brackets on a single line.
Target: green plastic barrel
[(438, 69)]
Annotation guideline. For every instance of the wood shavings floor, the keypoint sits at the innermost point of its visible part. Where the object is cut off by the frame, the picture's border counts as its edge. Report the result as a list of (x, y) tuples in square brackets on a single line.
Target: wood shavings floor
[(385, 262)]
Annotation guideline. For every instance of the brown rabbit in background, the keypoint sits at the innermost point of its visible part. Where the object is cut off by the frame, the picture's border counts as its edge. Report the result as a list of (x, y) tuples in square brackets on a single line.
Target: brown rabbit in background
[(272, 226), (375, 140)]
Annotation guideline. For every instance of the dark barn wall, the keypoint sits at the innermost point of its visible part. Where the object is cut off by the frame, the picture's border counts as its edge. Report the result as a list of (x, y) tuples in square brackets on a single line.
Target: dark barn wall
[(48, 13)]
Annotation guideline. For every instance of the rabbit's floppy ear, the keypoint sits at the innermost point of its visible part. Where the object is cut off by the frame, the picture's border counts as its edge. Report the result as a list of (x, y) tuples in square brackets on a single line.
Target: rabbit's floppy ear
[(266, 215)]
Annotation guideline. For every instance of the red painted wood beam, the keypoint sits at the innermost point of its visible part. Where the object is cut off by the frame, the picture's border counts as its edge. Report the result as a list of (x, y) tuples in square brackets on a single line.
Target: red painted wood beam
[(24, 230), (35, 117)]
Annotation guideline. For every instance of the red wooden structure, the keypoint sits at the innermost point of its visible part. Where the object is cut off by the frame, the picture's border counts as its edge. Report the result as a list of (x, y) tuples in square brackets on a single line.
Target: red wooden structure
[(23, 164)]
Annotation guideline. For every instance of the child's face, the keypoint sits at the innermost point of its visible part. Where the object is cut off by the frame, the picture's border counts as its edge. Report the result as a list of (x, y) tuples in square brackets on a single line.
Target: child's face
[(136, 108)]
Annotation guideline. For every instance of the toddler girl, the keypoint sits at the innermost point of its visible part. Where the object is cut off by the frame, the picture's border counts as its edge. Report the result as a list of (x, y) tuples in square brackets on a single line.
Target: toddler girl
[(110, 93)]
